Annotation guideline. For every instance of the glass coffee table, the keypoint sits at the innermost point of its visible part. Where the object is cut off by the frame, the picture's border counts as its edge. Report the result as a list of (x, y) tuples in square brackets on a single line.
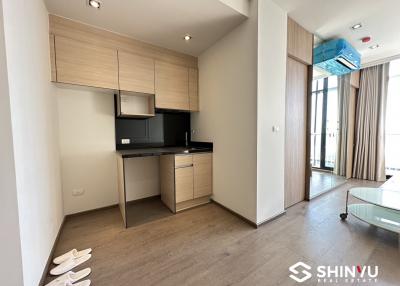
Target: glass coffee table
[(381, 207)]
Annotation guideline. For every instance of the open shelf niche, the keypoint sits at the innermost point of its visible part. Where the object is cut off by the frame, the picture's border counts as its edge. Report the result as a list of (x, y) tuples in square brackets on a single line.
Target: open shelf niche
[(135, 105)]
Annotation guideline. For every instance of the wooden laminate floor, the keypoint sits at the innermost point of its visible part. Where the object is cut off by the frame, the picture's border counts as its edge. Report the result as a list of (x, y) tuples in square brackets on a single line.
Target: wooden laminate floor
[(209, 246)]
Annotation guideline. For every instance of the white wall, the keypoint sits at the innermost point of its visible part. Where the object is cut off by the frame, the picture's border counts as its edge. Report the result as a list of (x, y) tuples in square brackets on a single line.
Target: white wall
[(34, 128), (142, 177), (228, 115), (242, 6), (10, 247), (87, 147), (272, 31), (242, 82)]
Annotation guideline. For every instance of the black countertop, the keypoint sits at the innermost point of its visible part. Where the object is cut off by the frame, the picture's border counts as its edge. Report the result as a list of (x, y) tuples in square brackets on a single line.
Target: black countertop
[(143, 152)]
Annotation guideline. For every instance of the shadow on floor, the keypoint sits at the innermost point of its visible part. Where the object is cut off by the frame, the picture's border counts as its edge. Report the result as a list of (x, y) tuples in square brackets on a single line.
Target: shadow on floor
[(145, 211)]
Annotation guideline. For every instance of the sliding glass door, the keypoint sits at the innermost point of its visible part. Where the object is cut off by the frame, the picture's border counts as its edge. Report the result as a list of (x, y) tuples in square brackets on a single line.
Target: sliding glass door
[(392, 143), (324, 123)]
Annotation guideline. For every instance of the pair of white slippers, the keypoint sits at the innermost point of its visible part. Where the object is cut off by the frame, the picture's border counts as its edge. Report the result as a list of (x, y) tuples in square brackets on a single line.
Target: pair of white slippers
[(68, 261)]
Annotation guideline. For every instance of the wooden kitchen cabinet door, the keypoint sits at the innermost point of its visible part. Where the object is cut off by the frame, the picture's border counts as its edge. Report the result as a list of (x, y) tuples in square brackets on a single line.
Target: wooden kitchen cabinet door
[(193, 90), (53, 58), (183, 184), (183, 161), (136, 73), (85, 64), (202, 176), (171, 86)]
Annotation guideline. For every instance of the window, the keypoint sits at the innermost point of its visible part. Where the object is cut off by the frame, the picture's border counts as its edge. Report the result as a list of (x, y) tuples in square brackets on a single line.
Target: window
[(324, 123), (392, 144)]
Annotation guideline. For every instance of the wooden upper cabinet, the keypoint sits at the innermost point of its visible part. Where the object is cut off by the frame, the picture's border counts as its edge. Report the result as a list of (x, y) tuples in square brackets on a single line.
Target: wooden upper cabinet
[(85, 64), (53, 58), (136, 73), (171, 86), (193, 90), (299, 42), (202, 175)]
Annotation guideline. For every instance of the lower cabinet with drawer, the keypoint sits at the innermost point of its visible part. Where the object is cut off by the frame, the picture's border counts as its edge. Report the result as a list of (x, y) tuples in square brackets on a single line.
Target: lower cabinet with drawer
[(186, 180)]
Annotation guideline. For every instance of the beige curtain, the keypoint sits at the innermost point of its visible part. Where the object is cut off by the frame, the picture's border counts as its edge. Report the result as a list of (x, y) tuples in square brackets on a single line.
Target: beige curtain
[(344, 87), (369, 153)]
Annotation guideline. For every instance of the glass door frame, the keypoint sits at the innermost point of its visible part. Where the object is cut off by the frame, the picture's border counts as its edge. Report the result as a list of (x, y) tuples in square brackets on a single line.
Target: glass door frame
[(308, 167), (323, 126), (324, 114)]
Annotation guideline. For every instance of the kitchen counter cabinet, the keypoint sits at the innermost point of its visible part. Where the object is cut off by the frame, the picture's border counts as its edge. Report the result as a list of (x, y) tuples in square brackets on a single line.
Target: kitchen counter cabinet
[(185, 178), (190, 180)]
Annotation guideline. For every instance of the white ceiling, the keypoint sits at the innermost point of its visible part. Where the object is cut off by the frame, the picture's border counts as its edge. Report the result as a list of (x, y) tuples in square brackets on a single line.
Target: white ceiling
[(159, 22), (332, 19)]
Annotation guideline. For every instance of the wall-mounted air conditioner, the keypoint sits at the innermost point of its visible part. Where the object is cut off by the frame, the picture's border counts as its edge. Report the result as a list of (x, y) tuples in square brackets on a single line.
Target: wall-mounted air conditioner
[(337, 57)]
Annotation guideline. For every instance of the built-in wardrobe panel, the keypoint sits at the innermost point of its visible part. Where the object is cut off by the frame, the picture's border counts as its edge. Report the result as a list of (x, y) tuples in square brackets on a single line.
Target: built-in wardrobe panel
[(136, 73), (85, 64), (299, 42), (295, 131), (171, 86)]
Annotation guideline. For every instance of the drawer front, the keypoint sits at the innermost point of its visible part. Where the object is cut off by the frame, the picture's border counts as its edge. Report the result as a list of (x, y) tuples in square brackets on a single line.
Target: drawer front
[(183, 184), (183, 161), (202, 175)]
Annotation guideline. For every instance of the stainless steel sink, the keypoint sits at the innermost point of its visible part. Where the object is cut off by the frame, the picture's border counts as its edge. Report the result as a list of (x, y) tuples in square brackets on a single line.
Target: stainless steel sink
[(191, 149)]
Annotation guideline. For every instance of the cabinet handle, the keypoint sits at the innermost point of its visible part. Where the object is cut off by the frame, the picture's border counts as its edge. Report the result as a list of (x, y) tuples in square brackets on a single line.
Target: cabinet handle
[(184, 166)]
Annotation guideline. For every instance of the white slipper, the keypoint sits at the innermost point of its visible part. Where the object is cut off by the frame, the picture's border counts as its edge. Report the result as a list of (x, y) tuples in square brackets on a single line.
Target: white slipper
[(69, 264), (70, 277), (71, 254), (83, 283)]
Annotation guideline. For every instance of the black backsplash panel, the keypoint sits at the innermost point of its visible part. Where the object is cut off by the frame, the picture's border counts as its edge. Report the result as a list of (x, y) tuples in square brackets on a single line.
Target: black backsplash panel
[(165, 129)]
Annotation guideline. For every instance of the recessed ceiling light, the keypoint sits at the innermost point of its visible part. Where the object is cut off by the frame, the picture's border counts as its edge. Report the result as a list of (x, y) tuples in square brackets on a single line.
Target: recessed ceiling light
[(94, 3), (356, 26), (187, 37), (374, 47)]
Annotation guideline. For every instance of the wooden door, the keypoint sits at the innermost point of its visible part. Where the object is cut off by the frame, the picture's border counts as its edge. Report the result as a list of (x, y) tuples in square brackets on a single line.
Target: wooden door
[(183, 184), (202, 175), (136, 73), (295, 132), (85, 64), (171, 86)]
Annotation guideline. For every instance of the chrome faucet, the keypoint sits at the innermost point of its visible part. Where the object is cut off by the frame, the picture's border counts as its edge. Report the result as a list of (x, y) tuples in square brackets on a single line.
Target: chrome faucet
[(186, 139)]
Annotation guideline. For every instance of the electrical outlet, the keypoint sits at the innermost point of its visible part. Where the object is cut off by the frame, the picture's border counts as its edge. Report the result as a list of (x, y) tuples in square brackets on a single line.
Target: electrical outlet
[(125, 141), (78, 192)]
